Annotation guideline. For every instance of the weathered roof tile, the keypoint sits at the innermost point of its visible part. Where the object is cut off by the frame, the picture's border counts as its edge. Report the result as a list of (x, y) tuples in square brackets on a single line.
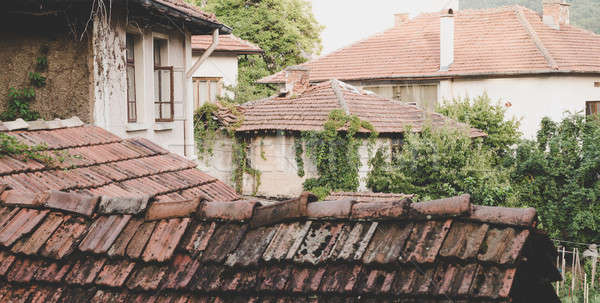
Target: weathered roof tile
[(103, 232), (164, 239)]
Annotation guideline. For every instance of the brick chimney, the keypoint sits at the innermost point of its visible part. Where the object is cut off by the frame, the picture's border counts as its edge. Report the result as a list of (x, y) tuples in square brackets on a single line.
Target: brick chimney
[(446, 39), (400, 18), (556, 13), (297, 80)]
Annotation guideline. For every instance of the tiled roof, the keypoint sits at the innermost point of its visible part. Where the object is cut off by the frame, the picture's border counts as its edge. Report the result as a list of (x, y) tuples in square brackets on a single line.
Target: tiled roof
[(309, 111), (294, 251), (368, 196), (100, 163), (227, 43), (500, 41)]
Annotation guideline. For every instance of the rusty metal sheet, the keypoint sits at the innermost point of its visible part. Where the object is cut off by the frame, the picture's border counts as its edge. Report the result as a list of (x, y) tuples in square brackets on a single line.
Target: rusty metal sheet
[(120, 244), (165, 239), (318, 242), (84, 271), (114, 273), (64, 238), (425, 241), (252, 247), (196, 239), (224, 240), (32, 244), (353, 241), (136, 245), (22, 223), (387, 242), (103, 232), (286, 241), (464, 240), (181, 272)]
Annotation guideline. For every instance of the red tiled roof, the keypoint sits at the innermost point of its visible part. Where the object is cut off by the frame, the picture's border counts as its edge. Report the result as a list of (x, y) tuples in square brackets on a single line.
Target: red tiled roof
[(190, 9), (437, 251), (100, 163), (227, 43), (367, 196), (309, 111), (499, 41)]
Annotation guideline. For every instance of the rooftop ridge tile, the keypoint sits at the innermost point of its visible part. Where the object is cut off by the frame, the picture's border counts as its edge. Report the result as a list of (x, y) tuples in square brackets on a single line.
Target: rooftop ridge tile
[(20, 124)]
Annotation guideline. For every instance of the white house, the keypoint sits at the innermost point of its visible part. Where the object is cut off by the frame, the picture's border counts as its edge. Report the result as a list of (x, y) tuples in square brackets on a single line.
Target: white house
[(125, 66), (220, 69), (537, 65)]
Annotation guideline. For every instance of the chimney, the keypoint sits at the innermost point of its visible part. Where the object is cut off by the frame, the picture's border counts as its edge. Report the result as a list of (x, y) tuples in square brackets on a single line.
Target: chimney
[(297, 80), (446, 39), (400, 18), (556, 13)]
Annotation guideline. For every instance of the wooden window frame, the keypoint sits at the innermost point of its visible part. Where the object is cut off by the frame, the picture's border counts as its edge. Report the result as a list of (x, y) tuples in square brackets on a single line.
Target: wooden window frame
[(195, 82), (157, 99), (587, 107), (131, 117)]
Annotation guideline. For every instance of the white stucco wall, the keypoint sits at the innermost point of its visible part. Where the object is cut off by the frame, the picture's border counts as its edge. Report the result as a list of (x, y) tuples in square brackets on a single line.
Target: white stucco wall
[(110, 86), (223, 66), (279, 171), (531, 98)]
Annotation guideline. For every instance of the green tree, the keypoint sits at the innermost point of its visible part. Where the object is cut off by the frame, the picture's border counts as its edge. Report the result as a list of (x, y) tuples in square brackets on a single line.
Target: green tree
[(286, 30), (442, 162), (584, 13), (559, 176), (480, 112)]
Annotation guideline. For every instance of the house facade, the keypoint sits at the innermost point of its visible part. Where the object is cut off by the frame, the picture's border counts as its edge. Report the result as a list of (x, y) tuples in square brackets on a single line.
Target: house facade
[(535, 65), (125, 66), (219, 71), (272, 127)]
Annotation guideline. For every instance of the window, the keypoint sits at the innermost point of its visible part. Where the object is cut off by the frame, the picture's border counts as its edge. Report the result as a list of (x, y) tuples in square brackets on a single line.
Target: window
[(131, 98), (206, 90), (163, 83), (424, 95), (592, 108)]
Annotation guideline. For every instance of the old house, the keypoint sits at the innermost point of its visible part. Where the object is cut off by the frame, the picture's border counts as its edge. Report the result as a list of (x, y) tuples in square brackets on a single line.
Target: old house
[(218, 71), (125, 66), (537, 65), (271, 128)]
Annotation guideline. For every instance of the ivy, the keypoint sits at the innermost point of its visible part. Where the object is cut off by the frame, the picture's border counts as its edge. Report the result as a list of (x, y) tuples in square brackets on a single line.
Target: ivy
[(242, 165), (205, 128), (299, 151), (335, 152)]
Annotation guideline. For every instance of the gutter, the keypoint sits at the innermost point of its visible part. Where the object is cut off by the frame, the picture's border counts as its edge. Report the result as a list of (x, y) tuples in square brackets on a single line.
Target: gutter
[(205, 55)]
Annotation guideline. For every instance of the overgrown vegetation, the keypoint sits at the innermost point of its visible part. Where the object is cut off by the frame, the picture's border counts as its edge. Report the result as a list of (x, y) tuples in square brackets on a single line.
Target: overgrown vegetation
[(299, 151), (285, 29), (242, 165), (10, 146), (19, 100), (335, 153), (206, 128)]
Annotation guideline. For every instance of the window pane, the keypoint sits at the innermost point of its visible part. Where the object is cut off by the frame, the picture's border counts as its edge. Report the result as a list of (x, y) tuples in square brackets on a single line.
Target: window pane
[(203, 87), (131, 113), (157, 85), (129, 42), (166, 111), (213, 91), (165, 85), (157, 49), (130, 83), (157, 110)]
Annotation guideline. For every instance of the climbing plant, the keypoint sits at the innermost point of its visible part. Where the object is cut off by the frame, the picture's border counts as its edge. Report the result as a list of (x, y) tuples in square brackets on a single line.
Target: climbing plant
[(206, 127), (19, 100), (335, 153), (242, 165), (299, 151)]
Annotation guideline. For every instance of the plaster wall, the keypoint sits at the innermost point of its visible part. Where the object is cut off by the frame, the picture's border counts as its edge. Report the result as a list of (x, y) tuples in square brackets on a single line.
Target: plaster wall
[(223, 66), (529, 98)]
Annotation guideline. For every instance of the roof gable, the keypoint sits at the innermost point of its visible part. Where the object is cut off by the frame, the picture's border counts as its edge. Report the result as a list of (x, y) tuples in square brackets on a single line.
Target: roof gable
[(227, 44), (245, 252), (500, 41)]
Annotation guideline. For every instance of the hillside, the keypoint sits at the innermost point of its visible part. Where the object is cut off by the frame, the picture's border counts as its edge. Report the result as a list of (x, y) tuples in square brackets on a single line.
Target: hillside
[(584, 13)]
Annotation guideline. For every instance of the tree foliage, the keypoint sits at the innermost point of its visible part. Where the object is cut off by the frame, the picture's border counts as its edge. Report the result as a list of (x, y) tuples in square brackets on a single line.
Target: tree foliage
[(441, 162), (559, 174), (480, 112), (286, 30), (584, 13)]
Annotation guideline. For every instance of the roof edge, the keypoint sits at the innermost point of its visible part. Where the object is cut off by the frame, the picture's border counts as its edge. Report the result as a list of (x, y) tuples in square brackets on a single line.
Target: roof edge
[(40, 124)]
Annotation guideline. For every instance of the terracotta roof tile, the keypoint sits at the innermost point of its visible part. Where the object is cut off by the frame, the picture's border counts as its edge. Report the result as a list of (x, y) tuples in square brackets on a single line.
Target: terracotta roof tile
[(449, 253), (227, 43), (493, 41), (310, 109)]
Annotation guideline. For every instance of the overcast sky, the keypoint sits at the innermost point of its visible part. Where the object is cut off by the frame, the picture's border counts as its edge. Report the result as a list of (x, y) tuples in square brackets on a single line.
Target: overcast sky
[(347, 21)]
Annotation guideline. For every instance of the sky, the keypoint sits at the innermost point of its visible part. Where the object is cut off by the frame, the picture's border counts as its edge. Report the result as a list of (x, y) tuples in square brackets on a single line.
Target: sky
[(348, 21)]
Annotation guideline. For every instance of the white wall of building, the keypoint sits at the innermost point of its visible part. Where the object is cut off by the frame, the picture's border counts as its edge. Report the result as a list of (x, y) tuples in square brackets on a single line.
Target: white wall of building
[(224, 66), (529, 98)]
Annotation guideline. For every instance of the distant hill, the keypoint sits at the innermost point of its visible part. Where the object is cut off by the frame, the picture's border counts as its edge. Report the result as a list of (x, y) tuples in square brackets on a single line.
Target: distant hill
[(584, 13)]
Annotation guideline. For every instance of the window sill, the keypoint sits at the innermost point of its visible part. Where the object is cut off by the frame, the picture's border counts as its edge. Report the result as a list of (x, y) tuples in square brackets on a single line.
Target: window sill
[(135, 127), (161, 126)]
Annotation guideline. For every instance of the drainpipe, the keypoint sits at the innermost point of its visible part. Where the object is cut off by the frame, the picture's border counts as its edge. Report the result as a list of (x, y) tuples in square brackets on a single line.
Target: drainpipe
[(192, 70), (205, 55)]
